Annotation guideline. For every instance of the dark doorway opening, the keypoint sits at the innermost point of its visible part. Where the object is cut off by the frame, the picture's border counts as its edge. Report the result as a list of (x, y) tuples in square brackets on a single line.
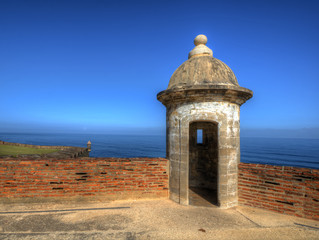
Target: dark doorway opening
[(203, 163)]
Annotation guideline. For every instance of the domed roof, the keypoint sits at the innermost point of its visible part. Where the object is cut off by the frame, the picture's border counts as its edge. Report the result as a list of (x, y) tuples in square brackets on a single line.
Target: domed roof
[(202, 69), (203, 78)]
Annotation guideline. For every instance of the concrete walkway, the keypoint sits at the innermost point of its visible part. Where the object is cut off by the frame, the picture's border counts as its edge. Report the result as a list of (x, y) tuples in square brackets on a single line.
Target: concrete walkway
[(148, 219)]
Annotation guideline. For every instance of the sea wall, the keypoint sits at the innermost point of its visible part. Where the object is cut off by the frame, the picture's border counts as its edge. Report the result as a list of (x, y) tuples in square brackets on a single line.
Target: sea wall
[(82, 179), (64, 151), (33, 146), (288, 190)]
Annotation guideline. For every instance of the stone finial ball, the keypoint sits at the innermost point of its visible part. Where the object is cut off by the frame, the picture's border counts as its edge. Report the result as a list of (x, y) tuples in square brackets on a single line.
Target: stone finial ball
[(200, 39)]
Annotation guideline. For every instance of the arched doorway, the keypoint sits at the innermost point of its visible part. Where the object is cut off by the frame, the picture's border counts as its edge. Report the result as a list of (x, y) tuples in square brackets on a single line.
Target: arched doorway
[(203, 163)]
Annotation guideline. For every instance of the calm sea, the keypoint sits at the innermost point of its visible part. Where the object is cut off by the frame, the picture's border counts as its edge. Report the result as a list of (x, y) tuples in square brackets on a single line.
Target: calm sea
[(276, 151)]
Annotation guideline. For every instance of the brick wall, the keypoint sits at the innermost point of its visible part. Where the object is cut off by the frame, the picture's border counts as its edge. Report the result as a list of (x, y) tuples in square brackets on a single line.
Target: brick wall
[(288, 190), (82, 178)]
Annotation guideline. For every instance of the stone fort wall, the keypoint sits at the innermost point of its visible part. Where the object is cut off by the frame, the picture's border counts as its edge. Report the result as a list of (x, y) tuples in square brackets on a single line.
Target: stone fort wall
[(37, 180), (288, 190)]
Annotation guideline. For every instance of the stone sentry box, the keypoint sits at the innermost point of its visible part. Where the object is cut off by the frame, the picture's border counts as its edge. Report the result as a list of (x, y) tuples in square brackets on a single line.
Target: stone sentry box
[(203, 101)]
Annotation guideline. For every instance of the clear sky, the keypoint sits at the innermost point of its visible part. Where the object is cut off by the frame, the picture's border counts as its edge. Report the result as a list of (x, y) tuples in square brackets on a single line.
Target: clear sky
[(96, 66)]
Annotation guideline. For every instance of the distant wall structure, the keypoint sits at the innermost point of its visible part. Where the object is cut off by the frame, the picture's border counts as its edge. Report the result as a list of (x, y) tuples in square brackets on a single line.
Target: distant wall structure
[(64, 151), (288, 190), (41, 180)]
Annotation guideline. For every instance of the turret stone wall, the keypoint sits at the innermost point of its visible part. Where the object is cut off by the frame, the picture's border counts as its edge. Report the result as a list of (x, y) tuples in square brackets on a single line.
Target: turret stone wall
[(226, 117)]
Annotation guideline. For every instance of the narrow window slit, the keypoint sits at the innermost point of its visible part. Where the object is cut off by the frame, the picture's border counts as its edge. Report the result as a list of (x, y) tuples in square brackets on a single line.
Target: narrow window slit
[(199, 136)]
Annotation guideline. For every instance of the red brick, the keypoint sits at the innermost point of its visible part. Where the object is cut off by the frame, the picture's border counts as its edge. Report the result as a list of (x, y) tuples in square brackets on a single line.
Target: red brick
[(291, 188), (34, 179)]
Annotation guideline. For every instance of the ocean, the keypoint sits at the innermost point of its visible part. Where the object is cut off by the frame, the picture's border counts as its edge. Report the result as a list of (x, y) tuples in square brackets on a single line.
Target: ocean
[(296, 152)]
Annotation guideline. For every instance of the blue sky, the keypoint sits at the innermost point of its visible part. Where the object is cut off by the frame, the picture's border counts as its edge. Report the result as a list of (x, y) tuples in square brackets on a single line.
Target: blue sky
[(96, 66)]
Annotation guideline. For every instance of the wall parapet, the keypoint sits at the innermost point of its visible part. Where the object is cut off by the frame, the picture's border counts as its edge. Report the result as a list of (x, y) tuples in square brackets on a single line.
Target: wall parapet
[(288, 190), (38, 180)]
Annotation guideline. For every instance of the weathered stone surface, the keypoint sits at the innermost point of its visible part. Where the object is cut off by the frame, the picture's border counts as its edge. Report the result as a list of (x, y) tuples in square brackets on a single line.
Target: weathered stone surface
[(203, 70)]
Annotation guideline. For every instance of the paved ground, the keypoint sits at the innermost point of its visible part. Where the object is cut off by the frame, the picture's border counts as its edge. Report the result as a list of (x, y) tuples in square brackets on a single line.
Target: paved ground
[(151, 219)]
